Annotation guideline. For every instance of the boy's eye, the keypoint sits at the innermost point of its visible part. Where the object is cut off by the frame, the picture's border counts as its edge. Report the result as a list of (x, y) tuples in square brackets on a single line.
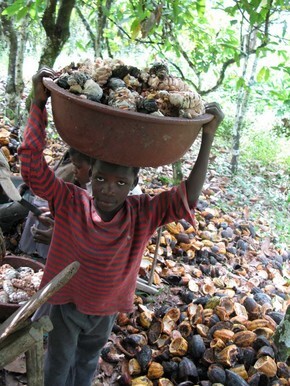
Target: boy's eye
[(100, 179), (121, 183)]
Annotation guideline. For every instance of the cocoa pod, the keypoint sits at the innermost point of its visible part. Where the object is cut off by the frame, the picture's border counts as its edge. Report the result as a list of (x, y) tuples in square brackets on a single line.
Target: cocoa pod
[(144, 357), (266, 365), (187, 370), (244, 338), (196, 347), (141, 381), (155, 370), (266, 350), (216, 374), (178, 346), (182, 238), (228, 356), (258, 379), (233, 379)]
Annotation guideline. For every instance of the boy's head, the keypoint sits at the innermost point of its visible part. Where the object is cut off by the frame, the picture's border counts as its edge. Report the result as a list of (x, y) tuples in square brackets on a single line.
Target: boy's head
[(81, 167), (111, 185)]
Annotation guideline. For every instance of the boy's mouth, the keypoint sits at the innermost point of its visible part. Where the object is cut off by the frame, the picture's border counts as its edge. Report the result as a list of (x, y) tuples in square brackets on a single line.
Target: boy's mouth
[(106, 204)]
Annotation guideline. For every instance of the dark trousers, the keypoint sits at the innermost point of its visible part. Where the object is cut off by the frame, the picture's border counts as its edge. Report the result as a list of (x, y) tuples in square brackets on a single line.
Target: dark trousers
[(74, 346)]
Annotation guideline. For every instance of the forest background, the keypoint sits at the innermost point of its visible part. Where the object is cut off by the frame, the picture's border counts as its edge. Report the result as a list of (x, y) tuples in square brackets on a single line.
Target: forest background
[(232, 52)]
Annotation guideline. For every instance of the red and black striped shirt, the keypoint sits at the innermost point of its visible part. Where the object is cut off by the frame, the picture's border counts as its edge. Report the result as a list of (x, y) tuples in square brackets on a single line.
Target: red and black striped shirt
[(109, 252)]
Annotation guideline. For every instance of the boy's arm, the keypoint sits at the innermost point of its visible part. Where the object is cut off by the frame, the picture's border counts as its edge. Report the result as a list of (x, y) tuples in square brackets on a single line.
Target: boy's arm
[(197, 176), (40, 93), (34, 169)]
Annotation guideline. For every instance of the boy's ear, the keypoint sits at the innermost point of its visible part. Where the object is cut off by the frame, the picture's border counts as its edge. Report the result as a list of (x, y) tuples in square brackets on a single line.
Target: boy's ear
[(135, 183)]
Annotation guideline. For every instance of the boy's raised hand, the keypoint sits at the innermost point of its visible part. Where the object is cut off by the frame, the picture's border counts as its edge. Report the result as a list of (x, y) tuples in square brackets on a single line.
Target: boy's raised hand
[(40, 92), (196, 178), (214, 109)]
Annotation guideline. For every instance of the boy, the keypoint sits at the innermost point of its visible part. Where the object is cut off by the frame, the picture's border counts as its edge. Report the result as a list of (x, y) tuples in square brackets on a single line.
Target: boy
[(37, 232), (106, 233)]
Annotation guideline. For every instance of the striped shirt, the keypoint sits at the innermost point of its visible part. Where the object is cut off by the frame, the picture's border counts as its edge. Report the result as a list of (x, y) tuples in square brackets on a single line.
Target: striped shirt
[(109, 252)]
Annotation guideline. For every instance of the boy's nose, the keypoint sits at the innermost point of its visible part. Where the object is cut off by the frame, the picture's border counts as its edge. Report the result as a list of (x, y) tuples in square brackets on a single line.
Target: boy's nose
[(108, 189)]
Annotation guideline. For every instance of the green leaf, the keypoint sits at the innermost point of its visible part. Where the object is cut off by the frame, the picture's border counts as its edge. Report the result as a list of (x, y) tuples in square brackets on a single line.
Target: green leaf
[(80, 46), (263, 74), (200, 7), (231, 10), (255, 18), (135, 29), (240, 83), (14, 8), (22, 13), (39, 6)]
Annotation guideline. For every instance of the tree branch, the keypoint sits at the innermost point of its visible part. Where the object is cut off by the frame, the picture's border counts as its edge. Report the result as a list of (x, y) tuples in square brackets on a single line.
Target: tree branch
[(151, 42), (86, 24)]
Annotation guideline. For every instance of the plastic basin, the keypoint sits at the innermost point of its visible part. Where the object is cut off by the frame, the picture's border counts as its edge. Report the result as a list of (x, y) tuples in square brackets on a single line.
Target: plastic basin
[(7, 309), (121, 137)]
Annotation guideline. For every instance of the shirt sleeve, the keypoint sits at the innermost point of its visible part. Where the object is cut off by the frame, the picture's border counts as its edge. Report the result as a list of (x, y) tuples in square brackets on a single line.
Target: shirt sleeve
[(34, 169), (166, 207)]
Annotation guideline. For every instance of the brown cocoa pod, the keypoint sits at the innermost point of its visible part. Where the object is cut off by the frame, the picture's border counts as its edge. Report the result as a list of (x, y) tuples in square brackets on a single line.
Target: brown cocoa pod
[(155, 370), (244, 338), (266, 365), (228, 356)]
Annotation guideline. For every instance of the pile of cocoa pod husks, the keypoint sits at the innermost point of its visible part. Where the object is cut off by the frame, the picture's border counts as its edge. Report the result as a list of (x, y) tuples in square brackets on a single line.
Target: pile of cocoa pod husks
[(9, 141), (223, 292), (151, 90), (17, 285)]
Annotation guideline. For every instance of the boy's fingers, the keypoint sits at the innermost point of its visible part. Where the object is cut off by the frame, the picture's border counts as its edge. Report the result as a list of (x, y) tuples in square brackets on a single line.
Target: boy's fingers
[(46, 220), (215, 109), (46, 71)]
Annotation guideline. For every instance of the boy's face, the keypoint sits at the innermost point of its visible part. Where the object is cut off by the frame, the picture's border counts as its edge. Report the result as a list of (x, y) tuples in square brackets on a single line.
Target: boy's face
[(110, 186), (81, 170)]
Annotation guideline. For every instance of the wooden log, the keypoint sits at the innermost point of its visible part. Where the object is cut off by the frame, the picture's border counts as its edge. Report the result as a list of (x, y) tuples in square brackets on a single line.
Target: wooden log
[(281, 338), (18, 318), (23, 340), (143, 286), (2, 247), (34, 364), (159, 234)]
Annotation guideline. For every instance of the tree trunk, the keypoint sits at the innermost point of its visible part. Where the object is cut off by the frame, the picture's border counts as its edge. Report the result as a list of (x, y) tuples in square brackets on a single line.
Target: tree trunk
[(22, 40), (177, 172), (281, 338), (242, 104), (2, 247), (55, 21), (102, 21), (98, 42), (11, 37), (16, 38)]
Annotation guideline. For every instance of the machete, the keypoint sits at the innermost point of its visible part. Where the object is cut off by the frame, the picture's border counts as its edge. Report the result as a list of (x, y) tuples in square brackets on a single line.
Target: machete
[(10, 189)]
